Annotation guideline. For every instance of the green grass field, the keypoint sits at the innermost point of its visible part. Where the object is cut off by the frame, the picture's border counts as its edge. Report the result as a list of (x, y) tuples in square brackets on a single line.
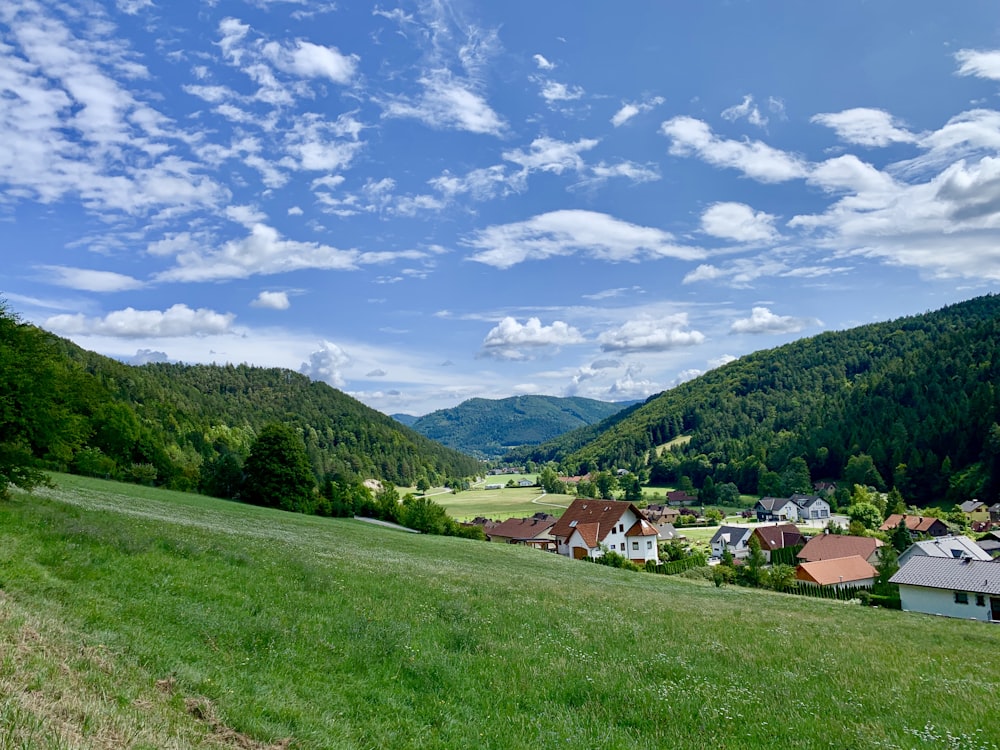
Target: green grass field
[(138, 618), (500, 504)]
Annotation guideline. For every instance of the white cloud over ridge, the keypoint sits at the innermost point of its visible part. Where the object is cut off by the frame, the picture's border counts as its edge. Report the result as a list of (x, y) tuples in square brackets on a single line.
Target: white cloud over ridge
[(177, 320), (762, 320), (508, 337), (567, 232), (651, 335), (326, 364)]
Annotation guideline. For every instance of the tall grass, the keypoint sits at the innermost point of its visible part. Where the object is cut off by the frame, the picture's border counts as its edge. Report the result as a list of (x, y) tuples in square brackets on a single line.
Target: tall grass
[(143, 618)]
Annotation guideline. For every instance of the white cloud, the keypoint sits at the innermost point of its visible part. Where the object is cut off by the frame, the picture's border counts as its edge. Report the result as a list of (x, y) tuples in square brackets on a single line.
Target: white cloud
[(147, 356), (272, 300), (178, 320), (745, 109), (505, 340), (980, 63), (865, 127), (651, 335), (754, 159), (542, 63), (553, 91), (326, 364), (265, 251), (762, 320), (550, 155), (295, 211), (132, 7), (739, 222), (721, 360), (567, 232), (91, 281), (448, 103), (629, 110), (312, 61), (632, 385)]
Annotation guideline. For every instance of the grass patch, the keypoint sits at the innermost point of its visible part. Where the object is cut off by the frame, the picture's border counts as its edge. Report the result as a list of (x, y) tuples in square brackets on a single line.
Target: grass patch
[(147, 619), (503, 503)]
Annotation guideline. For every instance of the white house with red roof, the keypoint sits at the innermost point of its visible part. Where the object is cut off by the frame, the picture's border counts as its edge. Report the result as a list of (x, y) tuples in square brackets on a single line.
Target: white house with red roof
[(589, 527)]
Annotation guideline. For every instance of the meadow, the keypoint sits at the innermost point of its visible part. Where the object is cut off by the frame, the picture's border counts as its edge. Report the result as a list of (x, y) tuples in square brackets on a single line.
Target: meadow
[(141, 618)]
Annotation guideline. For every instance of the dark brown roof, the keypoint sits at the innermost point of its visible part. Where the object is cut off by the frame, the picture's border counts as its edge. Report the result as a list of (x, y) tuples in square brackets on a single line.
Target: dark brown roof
[(779, 536), (604, 513), (836, 570), (522, 528), (831, 546), (642, 527)]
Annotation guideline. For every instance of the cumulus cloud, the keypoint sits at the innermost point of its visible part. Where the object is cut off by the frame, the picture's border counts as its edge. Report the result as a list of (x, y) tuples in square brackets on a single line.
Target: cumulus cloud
[(509, 337), (91, 281), (632, 385), (739, 222), (272, 300), (754, 159), (551, 155), (312, 60), (628, 110), (148, 356), (865, 127), (542, 63), (651, 335), (377, 373), (326, 364), (177, 320), (745, 110), (553, 91), (762, 320), (560, 233)]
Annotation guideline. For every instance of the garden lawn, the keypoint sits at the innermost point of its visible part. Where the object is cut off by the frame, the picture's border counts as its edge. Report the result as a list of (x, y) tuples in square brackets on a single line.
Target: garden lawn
[(147, 619)]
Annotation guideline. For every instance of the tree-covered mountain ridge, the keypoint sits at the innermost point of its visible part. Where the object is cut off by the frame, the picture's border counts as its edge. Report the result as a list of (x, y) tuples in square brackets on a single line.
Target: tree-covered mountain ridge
[(191, 427), (917, 394), (489, 427)]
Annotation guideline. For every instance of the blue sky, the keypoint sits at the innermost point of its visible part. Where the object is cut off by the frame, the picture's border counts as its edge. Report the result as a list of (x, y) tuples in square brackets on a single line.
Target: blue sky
[(424, 202)]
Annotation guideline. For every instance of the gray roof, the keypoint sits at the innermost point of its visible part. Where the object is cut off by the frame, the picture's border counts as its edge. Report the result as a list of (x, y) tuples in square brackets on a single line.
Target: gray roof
[(804, 501), (945, 546), (774, 503), (948, 573), (970, 506), (733, 534)]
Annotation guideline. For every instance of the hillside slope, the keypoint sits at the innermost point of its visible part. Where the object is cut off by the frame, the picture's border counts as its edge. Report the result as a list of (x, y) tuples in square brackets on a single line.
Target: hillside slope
[(488, 427), (190, 426), (918, 395), (138, 617)]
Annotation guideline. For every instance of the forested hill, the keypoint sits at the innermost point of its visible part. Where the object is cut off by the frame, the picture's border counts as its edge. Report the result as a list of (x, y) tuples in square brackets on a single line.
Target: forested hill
[(488, 427), (191, 426), (919, 395)]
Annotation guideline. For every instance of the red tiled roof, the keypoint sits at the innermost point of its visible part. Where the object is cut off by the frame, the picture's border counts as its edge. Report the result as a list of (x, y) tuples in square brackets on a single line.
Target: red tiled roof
[(836, 570), (831, 546), (919, 524), (642, 527), (604, 513), (590, 533)]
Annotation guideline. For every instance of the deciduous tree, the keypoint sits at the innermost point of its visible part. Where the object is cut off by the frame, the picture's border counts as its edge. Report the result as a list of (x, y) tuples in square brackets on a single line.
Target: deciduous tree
[(277, 473)]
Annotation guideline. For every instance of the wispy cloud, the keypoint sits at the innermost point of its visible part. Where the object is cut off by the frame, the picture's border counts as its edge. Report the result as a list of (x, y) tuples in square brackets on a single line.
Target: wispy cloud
[(630, 110)]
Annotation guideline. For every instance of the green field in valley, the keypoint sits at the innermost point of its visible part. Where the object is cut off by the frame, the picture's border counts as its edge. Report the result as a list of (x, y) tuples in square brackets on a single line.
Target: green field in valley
[(498, 504), (140, 618)]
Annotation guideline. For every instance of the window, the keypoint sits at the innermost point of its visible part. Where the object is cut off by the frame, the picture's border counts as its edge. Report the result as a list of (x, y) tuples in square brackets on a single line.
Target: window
[(635, 546), (623, 546), (980, 600), (649, 544), (961, 597), (621, 527)]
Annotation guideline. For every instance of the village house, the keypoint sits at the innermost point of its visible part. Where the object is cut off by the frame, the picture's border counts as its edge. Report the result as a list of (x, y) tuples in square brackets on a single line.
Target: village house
[(776, 509), (965, 588), (990, 543), (837, 572), (832, 546), (777, 537), (958, 547), (735, 538), (680, 497), (975, 510), (533, 532), (812, 507), (994, 511), (588, 527), (917, 525), (660, 513)]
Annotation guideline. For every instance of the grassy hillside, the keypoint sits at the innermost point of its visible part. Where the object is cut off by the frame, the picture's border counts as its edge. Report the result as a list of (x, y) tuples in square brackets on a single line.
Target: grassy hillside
[(488, 427), (141, 618), (918, 395)]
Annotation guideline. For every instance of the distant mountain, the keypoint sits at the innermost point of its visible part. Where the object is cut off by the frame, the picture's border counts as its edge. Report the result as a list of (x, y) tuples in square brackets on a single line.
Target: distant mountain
[(406, 419), (920, 396), (488, 427)]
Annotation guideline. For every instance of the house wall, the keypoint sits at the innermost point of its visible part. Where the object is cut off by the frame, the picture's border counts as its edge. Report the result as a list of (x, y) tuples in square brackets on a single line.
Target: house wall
[(942, 602), (647, 549)]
